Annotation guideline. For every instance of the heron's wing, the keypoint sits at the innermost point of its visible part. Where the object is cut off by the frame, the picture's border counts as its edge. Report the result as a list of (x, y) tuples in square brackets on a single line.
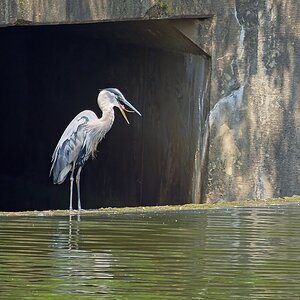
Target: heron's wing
[(69, 145)]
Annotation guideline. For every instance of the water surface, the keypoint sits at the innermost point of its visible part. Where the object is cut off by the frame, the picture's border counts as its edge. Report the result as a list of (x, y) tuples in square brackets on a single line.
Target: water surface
[(213, 254)]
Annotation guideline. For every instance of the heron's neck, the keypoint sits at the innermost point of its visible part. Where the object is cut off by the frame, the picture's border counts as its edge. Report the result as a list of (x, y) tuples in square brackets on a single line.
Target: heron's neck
[(107, 118), (98, 128), (103, 124)]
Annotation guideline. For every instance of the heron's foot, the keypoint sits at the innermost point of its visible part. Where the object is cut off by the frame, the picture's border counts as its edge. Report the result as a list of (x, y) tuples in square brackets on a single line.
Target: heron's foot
[(72, 211)]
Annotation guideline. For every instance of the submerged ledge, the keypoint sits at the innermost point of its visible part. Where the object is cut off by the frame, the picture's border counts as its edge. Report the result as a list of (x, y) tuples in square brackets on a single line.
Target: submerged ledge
[(155, 209)]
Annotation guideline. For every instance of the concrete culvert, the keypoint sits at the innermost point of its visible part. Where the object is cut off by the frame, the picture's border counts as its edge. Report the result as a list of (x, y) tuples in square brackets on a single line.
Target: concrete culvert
[(50, 73)]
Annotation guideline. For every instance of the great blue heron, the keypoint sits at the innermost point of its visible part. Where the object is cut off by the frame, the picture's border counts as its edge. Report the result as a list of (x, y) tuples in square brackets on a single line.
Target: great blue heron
[(80, 139)]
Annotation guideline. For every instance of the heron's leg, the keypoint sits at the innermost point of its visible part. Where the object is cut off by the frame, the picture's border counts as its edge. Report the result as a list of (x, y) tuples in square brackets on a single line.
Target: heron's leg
[(78, 187), (71, 186)]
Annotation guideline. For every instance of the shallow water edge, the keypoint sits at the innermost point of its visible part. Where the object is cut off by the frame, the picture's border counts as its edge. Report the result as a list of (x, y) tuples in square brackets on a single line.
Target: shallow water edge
[(156, 209)]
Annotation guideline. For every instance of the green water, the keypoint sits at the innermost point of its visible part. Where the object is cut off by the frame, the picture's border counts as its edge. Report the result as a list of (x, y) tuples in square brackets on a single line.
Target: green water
[(243, 253)]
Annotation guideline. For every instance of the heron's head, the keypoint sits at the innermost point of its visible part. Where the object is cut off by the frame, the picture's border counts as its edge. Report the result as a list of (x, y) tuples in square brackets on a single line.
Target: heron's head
[(113, 97)]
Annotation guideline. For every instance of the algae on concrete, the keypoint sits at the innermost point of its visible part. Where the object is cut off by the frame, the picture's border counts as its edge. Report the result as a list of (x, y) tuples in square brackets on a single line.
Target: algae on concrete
[(158, 209)]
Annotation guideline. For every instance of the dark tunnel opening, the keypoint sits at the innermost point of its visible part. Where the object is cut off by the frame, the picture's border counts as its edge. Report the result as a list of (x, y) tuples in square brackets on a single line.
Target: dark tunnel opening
[(50, 73)]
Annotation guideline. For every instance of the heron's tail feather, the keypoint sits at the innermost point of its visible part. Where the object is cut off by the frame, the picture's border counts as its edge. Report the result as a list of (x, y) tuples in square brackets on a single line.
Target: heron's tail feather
[(62, 175), (60, 169)]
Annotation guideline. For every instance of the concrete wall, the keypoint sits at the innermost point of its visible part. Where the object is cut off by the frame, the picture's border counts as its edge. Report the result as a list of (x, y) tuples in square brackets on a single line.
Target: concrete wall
[(254, 46), (255, 113), (14, 12)]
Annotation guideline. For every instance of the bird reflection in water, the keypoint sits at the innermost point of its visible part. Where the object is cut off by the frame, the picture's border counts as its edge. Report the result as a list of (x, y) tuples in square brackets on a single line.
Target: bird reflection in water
[(79, 264)]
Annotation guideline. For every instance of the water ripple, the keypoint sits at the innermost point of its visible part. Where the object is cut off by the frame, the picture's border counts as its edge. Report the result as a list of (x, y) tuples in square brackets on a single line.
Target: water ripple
[(215, 254)]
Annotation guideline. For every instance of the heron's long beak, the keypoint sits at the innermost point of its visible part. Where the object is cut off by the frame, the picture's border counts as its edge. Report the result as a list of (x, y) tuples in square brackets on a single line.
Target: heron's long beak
[(123, 109), (123, 113), (130, 106)]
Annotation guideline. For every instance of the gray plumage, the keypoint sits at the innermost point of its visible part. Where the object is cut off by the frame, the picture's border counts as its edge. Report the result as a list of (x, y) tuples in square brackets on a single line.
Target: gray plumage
[(80, 139), (70, 145)]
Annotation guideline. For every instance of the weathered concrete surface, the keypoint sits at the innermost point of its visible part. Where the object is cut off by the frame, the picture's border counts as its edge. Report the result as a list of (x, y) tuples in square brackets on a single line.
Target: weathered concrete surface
[(255, 113), (254, 123), (43, 12)]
